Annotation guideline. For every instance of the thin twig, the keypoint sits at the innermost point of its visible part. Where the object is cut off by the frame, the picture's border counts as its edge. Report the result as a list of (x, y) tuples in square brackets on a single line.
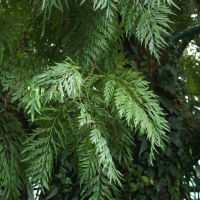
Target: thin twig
[(90, 74)]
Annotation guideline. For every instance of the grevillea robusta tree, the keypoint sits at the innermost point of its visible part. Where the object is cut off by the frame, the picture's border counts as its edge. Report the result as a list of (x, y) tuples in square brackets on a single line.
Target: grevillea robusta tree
[(99, 99)]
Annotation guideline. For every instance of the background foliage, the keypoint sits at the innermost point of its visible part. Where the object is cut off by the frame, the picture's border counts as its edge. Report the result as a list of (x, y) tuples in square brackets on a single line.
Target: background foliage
[(99, 99)]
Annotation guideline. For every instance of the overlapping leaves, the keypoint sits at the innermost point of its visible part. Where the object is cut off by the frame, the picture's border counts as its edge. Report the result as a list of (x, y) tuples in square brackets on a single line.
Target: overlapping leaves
[(79, 117), (124, 93), (128, 92), (150, 20), (61, 82)]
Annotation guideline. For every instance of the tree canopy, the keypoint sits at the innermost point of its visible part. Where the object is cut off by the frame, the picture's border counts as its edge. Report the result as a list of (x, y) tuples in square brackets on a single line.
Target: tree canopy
[(99, 99)]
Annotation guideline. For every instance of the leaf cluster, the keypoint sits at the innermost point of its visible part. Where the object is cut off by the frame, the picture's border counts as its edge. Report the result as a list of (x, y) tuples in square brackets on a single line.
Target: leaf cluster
[(80, 102)]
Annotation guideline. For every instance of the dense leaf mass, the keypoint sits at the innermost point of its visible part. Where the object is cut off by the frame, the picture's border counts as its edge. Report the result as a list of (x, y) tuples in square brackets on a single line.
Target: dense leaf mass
[(98, 99)]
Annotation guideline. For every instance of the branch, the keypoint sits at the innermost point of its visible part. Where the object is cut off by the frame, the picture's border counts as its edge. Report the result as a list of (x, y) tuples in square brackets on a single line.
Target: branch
[(183, 46), (89, 74), (186, 37), (191, 32)]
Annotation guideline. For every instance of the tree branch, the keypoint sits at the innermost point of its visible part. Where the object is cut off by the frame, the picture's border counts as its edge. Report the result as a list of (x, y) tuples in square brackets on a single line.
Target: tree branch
[(191, 32), (186, 37), (89, 74)]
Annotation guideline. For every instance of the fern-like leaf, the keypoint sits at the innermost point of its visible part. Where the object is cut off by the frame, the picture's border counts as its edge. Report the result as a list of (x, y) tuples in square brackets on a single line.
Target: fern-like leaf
[(138, 107)]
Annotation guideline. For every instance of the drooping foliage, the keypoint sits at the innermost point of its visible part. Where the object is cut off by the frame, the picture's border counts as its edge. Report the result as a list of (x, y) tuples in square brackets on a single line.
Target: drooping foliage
[(93, 100)]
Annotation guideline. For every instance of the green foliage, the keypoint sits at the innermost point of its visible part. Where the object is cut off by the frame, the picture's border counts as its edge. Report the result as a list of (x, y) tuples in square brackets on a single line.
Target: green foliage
[(61, 82), (190, 66), (77, 121), (11, 138), (149, 19), (137, 105)]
